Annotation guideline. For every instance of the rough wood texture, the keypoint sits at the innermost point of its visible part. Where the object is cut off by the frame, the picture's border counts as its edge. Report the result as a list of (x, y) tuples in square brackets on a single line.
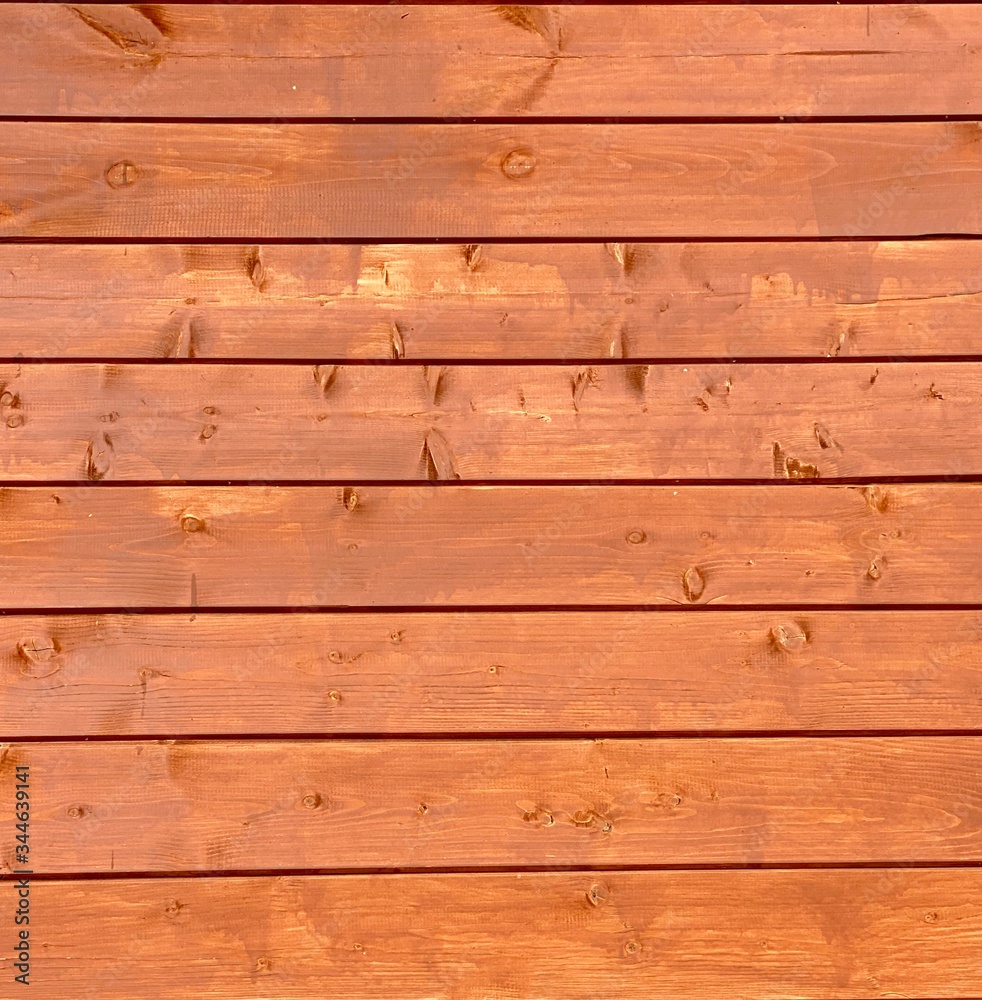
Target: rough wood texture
[(630, 300), (398, 546), (379, 181), (375, 61), (721, 934), (324, 422), (164, 675), (288, 805)]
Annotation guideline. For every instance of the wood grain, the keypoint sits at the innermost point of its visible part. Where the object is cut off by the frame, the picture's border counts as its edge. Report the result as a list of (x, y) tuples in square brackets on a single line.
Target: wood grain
[(287, 805), (126, 547), (324, 422), (435, 672), (381, 181), (434, 302), (373, 61), (726, 934)]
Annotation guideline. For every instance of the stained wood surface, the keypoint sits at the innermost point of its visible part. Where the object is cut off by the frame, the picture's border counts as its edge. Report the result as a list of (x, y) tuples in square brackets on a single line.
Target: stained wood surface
[(200, 674), (726, 421), (731, 934), (375, 61), (420, 302), (288, 805), (126, 547), (381, 181)]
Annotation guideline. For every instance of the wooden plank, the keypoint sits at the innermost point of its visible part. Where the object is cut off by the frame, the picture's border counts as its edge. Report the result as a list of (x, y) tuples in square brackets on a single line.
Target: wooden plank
[(433, 302), (725, 934), (404, 546), (379, 181), (373, 61), (331, 422), (435, 672), (287, 805)]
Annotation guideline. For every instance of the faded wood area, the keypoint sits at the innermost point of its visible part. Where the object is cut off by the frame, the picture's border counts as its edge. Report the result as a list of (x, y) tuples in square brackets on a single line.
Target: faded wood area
[(489, 500)]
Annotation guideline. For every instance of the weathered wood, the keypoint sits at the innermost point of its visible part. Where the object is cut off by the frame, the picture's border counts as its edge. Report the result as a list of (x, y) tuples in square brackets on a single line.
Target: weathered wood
[(288, 805), (323, 422), (431, 302), (375, 61), (170, 675), (704, 934), (400, 546), (379, 181)]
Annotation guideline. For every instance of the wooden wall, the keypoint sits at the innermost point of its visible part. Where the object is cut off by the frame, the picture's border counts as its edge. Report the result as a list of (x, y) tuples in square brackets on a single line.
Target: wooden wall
[(489, 501)]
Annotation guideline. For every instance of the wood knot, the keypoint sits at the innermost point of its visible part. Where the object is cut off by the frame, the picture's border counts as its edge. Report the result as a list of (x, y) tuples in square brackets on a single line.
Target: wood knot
[(397, 637), (538, 816), (693, 584), (597, 894), (192, 524), (173, 908), (76, 812), (349, 498), (623, 254), (312, 801), (263, 965), (637, 537), (473, 253), (591, 818), (334, 696), (874, 571), (37, 653), (789, 637), (256, 269), (877, 499), (632, 948), (335, 656), (518, 164), (931, 917), (122, 174)]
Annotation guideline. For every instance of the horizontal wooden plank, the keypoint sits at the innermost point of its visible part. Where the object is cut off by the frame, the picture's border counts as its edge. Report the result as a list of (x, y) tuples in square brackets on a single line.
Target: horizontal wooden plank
[(330, 422), (287, 805), (379, 181), (266, 61), (432, 302), (403, 546), (94, 675), (852, 935)]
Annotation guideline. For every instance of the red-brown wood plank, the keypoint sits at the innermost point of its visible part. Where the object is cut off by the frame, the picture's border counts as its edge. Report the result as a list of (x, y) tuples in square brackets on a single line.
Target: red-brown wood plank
[(457, 672), (405, 546), (475, 181), (254, 805), (323, 422), (432, 302), (851, 935), (220, 60)]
